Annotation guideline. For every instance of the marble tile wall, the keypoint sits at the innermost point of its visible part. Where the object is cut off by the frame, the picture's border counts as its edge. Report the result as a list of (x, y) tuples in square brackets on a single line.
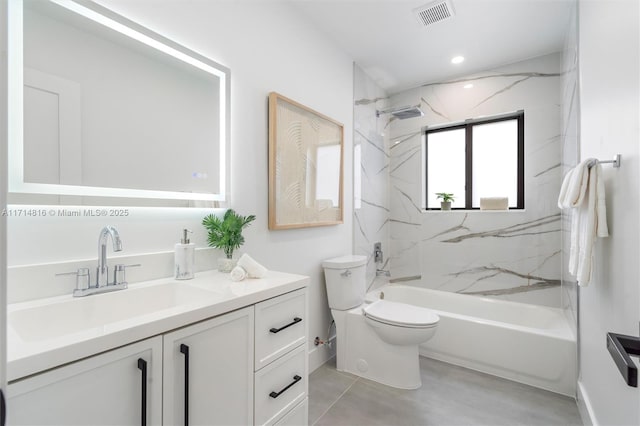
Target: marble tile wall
[(371, 175), (570, 157), (513, 255)]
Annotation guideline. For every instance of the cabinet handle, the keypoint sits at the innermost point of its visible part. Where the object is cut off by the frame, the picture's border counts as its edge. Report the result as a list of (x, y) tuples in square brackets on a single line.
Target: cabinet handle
[(185, 350), (296, 379), (142, 366), (278, 330)]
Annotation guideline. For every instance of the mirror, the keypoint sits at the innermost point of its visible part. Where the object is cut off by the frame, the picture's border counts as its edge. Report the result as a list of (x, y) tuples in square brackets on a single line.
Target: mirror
[(101, 106)]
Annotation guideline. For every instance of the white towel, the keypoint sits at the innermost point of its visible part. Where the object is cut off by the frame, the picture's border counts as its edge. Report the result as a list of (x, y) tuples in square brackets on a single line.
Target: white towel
[(253, 268), (494, 203), (574, 185), (583, 191), (238, 273)]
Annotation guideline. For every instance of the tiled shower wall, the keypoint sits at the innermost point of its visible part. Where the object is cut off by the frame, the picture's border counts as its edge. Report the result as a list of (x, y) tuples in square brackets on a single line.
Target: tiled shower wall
[(371, 174), (513, 255)]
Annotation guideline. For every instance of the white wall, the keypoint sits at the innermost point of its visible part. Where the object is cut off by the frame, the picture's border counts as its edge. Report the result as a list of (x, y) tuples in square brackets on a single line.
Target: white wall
[(609, 59), (268, 47)]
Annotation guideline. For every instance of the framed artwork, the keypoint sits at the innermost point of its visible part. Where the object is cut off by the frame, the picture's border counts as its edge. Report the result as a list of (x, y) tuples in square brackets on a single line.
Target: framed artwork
[(306, 151)]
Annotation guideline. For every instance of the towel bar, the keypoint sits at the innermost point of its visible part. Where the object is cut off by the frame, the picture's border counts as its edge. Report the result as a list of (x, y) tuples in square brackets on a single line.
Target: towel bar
[(615, 161)]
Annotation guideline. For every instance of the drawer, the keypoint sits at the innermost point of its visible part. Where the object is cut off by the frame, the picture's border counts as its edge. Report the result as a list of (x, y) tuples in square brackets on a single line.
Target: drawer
[(298, 416), (280, 386), (281, 325)]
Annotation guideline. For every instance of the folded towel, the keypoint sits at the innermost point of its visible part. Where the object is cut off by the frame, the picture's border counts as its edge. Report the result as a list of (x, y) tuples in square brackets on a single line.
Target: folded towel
[(238, 273), (253, 268), (583, 191), (494, 203)]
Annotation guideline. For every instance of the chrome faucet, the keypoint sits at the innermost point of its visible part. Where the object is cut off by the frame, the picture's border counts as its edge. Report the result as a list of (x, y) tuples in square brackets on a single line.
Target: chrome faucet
[(102, 284), (102, 272)]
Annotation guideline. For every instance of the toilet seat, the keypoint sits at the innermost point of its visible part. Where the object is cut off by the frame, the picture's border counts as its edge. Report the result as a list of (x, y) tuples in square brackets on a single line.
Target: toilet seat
[(401, 314)]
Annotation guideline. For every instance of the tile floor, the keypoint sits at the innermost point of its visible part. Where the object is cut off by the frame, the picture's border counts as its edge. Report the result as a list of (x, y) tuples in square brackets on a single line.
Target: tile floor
[(450, 396)]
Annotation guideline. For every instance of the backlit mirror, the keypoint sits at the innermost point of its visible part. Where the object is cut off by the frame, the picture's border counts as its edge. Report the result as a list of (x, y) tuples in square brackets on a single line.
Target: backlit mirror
[(101, 106)]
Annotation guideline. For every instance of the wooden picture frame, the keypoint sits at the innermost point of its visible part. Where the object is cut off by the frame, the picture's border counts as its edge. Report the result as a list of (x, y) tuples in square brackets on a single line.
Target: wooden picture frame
[(306, 156)]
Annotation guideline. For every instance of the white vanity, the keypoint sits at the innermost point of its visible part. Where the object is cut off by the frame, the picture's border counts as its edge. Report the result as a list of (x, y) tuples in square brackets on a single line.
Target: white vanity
[(205, 351)]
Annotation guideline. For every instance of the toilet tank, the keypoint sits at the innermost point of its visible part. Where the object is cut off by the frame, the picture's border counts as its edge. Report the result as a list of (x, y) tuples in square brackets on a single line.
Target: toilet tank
[(346, 281)]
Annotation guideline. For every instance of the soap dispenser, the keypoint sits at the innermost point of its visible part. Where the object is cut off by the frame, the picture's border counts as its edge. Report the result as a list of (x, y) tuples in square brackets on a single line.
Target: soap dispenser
[(185, 257)]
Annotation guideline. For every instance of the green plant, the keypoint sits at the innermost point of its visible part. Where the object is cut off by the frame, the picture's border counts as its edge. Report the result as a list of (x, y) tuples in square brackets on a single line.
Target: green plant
[(226, 233), (445, 197)]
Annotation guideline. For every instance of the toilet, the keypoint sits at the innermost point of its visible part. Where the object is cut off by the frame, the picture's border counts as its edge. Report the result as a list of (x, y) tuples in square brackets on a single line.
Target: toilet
[(379, 340)]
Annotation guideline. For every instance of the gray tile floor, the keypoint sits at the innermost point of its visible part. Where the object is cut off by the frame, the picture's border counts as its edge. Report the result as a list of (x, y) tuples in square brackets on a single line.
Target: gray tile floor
[(450, 396)]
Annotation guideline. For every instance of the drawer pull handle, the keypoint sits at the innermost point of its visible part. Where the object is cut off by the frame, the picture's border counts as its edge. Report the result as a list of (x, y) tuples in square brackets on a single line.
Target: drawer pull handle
[(296, 379), (142, 366), (278, 330)]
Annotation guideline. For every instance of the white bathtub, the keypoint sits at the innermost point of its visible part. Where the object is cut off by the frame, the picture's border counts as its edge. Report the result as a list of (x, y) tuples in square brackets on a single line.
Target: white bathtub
[(526, 343)]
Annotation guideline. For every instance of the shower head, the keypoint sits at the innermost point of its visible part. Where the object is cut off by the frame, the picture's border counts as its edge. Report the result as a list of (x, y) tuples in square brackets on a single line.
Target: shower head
[(402, 112)]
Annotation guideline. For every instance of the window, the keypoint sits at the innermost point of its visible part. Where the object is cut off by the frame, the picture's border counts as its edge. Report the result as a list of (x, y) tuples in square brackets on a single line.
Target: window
[(474, 159)]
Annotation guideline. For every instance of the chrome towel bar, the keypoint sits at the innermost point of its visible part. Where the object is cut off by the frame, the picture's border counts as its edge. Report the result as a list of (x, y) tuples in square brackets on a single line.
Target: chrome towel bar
[(615, 161)]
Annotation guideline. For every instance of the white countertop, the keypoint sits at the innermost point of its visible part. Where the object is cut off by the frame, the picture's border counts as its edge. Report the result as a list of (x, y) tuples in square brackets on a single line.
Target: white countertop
[(30, 353)]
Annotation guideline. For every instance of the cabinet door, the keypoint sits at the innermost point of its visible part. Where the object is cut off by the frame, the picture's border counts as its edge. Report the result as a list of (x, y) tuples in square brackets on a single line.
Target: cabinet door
[(217, 357), (105, 389)]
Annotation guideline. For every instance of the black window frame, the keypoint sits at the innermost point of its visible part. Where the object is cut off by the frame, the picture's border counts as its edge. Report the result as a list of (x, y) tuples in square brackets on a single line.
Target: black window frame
[(468, 126)]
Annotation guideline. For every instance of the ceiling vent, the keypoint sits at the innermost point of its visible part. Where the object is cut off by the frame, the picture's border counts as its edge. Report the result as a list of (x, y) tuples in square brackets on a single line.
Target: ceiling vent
[(434, 12)]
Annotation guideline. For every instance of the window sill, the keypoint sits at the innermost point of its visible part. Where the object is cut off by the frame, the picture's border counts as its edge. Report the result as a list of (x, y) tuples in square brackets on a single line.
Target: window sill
[(478, 211)]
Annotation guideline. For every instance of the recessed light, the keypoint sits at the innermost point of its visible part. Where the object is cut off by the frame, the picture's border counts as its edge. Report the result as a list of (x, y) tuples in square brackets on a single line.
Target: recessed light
[(457, 59), (468, 86)]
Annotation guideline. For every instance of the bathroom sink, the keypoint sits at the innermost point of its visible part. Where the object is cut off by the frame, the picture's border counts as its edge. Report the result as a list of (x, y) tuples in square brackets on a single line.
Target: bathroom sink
[(75, 315)]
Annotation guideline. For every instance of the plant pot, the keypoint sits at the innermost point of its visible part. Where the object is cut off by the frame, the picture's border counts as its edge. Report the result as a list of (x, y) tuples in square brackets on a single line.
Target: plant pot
[(226, 265), (445, 205)]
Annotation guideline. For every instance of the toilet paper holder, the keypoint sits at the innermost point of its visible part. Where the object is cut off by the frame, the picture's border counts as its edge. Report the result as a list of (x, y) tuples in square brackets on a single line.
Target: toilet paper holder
[(621, 348)]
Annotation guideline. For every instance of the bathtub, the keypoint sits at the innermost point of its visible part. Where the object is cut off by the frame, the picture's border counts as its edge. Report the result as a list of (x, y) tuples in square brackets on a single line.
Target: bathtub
[(525, 343)]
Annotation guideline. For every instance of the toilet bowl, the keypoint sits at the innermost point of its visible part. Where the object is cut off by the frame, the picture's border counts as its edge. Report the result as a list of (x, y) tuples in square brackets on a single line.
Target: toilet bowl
[(378, 341)]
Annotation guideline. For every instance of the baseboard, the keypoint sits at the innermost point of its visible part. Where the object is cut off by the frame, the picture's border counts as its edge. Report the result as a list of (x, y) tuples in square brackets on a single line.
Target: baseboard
[(585, 408)]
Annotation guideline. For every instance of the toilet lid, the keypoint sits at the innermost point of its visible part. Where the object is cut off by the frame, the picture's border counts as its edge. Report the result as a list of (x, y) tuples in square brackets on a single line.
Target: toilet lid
[(401, 314)]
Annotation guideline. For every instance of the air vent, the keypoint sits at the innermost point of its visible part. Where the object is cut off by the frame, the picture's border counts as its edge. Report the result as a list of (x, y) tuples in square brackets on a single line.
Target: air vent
[(434, 12)]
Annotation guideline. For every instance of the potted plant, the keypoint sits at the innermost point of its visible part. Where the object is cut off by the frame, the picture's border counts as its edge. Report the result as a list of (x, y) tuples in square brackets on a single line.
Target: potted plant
[(226, 234), (446, 198)]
